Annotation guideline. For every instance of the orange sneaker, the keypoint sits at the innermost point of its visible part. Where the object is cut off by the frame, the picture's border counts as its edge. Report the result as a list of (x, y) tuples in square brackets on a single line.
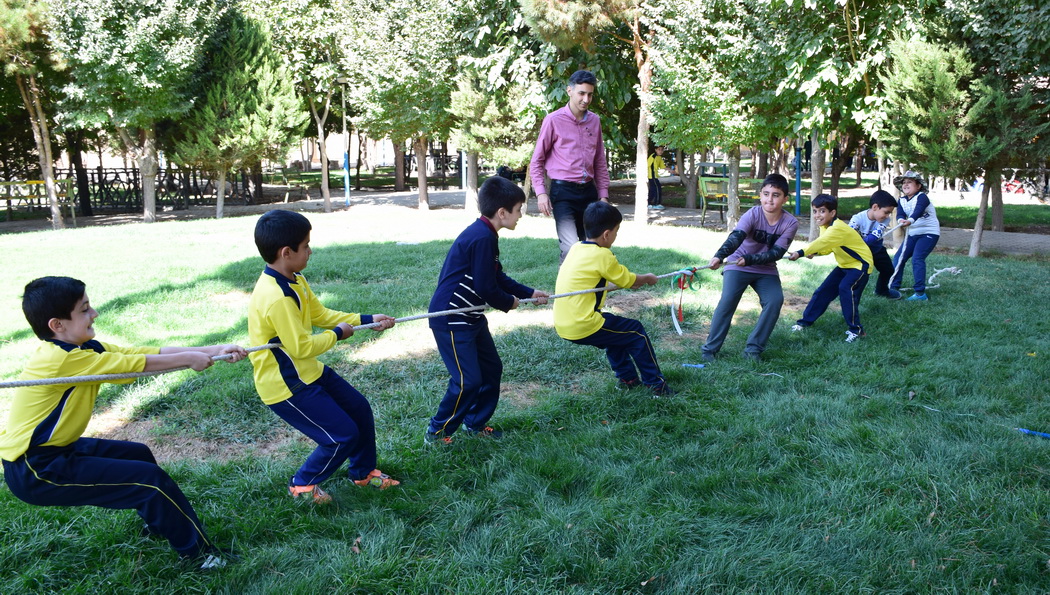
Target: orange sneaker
[(313, 492), (378, 480)]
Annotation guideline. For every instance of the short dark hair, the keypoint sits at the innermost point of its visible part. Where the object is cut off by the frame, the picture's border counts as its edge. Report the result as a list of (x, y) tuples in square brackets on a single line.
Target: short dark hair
[(827, 201), (277, 229), (583, 76), (599, 218), (777, 181), (50, 297), (883, 199), (498, 193)]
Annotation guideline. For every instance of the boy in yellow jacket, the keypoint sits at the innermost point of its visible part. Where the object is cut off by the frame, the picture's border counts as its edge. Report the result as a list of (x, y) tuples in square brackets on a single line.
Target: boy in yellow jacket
[(848, 279)]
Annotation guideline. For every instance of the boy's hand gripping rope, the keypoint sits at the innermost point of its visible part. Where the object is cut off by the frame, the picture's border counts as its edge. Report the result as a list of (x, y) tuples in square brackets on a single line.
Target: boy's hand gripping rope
[(111, 377)]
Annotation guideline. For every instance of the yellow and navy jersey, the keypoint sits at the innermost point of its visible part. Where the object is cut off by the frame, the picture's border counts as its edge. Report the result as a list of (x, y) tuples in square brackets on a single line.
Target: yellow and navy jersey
[(285, 311), (57, 414), (586, 266), (850, 250), (653, 165)]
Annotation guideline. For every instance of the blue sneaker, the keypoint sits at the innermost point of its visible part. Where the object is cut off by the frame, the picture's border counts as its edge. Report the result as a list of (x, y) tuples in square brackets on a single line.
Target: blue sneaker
[(917, 297)]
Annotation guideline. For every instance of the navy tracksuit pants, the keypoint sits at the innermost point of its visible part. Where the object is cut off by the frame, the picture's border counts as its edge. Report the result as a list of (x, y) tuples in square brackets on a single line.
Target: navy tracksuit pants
[(846, 284), (624, 340), (109, 474), (339, 419), (475, 371)]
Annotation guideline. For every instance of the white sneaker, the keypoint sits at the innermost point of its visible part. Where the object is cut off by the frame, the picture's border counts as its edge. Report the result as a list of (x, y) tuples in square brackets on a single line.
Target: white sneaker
[(797, 328), (851, 336), (659, 207)]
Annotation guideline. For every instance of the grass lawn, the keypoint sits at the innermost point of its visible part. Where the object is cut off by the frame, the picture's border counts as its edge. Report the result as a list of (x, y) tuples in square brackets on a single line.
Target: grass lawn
[(822, 469)]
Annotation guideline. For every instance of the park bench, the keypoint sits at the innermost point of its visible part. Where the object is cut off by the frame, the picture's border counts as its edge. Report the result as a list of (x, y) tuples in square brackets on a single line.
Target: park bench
[(32, 193), (715, 193)]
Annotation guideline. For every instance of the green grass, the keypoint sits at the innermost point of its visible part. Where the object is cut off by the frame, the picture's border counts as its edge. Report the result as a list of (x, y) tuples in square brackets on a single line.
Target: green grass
[(817, 470)]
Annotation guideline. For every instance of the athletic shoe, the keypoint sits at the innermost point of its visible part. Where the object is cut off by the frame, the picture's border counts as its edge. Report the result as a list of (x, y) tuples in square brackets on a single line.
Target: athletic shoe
[(314, 492), (487, 431), (378, 480), (211, 559), (659, 207), (852, 336), (652, 207), (797, 328), (628, 384), (436, 439), (918, 297), (708, 357), (662, 390), (752, 356), (892, 294)]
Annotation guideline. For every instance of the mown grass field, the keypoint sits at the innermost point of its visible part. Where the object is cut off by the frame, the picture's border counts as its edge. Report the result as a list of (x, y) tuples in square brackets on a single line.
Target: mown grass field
[(820, 469)]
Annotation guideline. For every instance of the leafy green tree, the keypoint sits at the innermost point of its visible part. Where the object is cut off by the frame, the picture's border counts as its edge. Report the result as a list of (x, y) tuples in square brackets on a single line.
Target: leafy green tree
[(246, 110), (26, 57), (131, 65), (407, 49)]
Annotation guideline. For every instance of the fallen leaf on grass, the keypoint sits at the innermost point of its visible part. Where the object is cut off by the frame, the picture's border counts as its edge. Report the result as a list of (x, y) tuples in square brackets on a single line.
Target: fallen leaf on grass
[(354, 548), (911, 395), (651, 579), (1032, 354), (605, 422)]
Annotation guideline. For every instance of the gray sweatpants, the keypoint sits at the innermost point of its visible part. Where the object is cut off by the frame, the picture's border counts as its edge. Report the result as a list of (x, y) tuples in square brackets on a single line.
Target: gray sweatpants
[(770, 296)]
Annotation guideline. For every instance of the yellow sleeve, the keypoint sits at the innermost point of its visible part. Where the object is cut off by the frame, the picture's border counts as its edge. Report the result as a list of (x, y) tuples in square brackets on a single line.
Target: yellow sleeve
[(611, 269), (296, 338)]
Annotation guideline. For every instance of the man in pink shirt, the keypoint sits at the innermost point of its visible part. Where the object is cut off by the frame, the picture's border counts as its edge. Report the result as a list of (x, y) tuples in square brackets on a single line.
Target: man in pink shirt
[(570, 152)]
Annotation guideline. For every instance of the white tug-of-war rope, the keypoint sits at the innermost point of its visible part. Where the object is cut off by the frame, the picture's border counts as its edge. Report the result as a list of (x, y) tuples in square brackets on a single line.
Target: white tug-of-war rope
[(900, 264), (111, 377)]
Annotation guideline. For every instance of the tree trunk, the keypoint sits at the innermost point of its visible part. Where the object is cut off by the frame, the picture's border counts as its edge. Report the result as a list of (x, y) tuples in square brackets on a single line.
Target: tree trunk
[(645, 82), (421, 173), (30, 91), (220, 193), (75, 138), (860, 161), (145, 152), (361, 154), (320, 117), (399, 166), (470, 203), (733, 195), (689, 179), (763, 165), (879, 148), (839, 165), (816, 186), (754, 164), (997, 203), (992, 175)]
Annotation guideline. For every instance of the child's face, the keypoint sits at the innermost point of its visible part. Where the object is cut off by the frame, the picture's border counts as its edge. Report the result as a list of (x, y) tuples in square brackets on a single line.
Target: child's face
[(823, 216), (509, 219), (298, 259), (772, 199), (910, 187), (79, 327), (880, 214)]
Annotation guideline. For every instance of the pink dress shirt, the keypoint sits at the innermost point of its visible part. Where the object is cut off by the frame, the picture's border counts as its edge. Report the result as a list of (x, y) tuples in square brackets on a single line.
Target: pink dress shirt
[(571, 150)]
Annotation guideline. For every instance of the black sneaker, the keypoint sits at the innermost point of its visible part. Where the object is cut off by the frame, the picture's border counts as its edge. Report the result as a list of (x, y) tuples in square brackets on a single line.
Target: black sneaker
[(662, 390), (708, 357), (211, 559), (436, 439), (752, 356), (628, 384), (486, 432)]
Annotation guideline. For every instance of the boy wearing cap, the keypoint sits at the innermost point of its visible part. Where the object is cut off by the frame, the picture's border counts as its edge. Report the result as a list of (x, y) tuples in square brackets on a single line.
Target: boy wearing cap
[(919, 218)]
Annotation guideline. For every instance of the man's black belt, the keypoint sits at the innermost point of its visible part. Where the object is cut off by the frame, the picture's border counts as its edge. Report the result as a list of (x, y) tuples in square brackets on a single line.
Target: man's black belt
[(571, 184)]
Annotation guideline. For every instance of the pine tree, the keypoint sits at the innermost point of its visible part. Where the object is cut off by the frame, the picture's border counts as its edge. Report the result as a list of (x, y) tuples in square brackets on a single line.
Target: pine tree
[(247, 109)]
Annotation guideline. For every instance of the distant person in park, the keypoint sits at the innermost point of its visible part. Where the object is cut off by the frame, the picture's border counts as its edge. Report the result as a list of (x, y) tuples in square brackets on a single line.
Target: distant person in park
[(846, 281), (291, 381), (871, 225), (750, 254), (917, 216), (579, 318), (473, 276), (47, 461), (570, 152), (654, 164)]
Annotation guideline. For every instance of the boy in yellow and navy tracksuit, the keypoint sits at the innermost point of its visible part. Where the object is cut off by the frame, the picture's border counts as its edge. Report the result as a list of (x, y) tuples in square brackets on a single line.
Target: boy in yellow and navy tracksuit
[(302, 391), (848, 279), (579, 318), (46, 460)]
